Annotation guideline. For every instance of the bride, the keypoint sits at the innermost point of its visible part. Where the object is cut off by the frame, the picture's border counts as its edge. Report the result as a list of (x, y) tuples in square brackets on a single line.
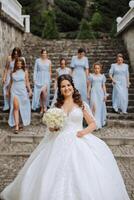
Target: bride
[(71, 165)]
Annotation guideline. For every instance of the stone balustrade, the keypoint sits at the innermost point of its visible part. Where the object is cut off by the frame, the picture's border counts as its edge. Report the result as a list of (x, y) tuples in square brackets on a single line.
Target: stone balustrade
[(125, 29), (14, 9), (125, 20)]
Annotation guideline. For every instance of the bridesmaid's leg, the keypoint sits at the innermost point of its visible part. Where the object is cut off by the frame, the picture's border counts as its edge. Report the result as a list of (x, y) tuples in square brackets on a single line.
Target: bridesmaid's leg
[(16, 113), (43, 98), (93, 109)]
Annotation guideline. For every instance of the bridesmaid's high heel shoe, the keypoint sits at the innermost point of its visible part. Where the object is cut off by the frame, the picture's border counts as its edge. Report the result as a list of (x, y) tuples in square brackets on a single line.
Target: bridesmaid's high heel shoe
[(45, 110), (16, 131), (21, 128)]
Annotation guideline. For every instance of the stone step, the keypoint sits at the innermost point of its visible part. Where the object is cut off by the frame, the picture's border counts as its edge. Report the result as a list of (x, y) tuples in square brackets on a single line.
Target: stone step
[(110, 140), (109, 109), (35, 120), (109, 102), (122, 146), (117, 151), (128, 116), (130, 109), (120, 123), (130, 90), (109, 90)]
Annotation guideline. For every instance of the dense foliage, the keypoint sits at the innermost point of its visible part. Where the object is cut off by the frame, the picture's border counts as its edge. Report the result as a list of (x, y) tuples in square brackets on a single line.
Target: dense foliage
[(85, 31), (69, 16), (50, 30)]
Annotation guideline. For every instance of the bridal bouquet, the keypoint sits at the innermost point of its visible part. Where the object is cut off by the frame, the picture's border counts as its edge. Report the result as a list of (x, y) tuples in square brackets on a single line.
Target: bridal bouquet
[(54, 119)]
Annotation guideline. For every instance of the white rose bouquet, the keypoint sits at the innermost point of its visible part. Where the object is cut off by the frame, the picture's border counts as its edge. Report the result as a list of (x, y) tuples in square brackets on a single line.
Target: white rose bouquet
[(54, 119)]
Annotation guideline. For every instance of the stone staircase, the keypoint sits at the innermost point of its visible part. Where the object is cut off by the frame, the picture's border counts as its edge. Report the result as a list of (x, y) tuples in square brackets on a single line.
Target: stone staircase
[(102, 50), (119, 134)]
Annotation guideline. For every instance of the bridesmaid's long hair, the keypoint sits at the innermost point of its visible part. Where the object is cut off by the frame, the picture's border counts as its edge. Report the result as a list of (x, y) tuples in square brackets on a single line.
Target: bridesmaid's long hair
[(15, 64), (76, 95), (16, 49)]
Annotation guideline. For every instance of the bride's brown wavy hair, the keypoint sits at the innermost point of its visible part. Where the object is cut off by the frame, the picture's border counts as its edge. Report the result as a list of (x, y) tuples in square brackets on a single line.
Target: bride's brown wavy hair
[(76, 95)]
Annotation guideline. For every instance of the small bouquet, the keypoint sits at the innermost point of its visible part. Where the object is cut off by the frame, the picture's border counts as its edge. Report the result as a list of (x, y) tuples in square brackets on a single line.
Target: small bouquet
[(54, 119)]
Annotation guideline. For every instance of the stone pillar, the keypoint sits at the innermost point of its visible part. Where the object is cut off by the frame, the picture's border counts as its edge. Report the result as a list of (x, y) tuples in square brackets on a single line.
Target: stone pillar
[(26, 19), (128, 37)]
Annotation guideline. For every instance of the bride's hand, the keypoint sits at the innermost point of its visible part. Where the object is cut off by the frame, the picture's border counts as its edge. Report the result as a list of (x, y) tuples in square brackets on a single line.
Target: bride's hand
[(80, 134), (53, 129)]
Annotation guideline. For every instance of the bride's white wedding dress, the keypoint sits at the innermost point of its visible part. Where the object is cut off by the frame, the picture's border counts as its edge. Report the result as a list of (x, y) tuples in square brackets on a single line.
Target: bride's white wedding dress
[(65, 167)]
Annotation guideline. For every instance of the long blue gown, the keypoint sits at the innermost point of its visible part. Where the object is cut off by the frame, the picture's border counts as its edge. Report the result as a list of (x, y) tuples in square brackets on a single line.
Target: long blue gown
[(97, 98), (5, 87), (120, 90), (79, 75), (41, 80), (19, 90), (60, 72)]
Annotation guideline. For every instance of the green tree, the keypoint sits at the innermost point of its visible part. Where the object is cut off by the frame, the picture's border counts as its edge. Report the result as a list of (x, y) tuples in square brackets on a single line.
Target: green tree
[(68, 14), (113, 29), (96, 21), (86, 31), (71, 8), (50, 30), (66, 22), (110, 10)]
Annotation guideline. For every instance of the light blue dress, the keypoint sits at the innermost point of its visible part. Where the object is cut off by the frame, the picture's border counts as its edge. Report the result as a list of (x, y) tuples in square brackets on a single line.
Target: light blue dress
[(5, 87), (97, 98), (19, 90), (60, 72), (7, 82), (41, 80), (120, 74), (79, 75)]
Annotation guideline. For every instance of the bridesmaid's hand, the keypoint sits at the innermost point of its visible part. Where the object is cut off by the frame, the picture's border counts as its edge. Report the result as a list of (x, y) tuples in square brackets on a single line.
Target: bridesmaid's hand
[(128, 85), (88, 97), (113, 81), (105, 98), (3, 81), (80, 133), (30, 93), (8, 94)]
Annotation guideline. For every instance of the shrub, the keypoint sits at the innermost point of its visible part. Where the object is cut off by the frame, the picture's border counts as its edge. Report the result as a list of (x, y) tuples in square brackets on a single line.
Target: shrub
[(80, 2), (86, 31), (96, 21), (71, 8), (113, 29), (66, 22), (50, 30)]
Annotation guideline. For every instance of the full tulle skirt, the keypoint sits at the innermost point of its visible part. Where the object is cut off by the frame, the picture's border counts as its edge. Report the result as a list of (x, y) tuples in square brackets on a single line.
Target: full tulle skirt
[(65, 167)]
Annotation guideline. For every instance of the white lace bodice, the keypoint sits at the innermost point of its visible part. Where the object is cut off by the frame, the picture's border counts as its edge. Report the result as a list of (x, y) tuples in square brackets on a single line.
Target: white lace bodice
[(74, 120)]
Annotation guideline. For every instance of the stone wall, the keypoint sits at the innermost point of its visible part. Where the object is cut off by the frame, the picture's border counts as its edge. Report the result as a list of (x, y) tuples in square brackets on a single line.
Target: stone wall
[(125, 29), (11, 35), (128, 37)]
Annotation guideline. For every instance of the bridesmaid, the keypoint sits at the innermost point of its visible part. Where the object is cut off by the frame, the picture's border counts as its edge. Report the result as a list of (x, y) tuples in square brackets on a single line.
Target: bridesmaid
[(80, 71), (42, 79), (119, 75), (6, 75), (63, 69), (20, 103), (97, 95)]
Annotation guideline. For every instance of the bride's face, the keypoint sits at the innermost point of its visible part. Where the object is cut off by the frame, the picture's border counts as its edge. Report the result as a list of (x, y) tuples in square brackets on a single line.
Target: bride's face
[(66, 88)]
